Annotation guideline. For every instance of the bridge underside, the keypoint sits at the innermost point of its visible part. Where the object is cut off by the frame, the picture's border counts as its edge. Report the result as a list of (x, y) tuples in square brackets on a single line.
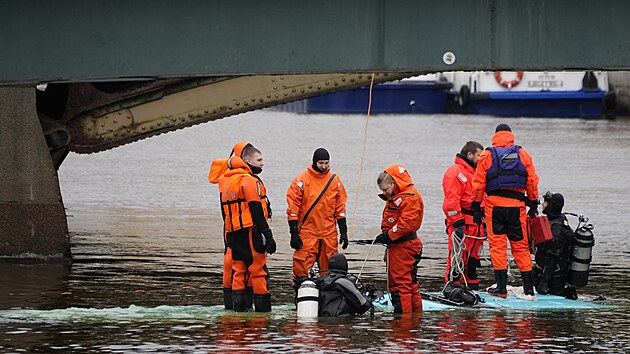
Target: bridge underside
[(121, 71)]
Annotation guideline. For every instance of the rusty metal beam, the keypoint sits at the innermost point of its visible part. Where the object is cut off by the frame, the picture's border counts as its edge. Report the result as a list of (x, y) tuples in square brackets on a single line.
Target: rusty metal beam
[(153, 109)]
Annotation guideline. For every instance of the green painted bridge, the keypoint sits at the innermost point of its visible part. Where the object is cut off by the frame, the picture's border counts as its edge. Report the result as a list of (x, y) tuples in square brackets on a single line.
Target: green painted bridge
[(120, 71)]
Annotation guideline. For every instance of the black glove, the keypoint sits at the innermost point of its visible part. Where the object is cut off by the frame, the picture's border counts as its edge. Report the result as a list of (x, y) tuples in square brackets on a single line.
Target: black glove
[(343, 233), (533, 208), (477, 213), (459, 229), (383, 239), (296, 241), (270, 243), (343, 241)]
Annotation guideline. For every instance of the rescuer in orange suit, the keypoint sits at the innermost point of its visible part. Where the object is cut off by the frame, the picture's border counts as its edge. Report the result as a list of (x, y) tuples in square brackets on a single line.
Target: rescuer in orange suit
[(217, 169), (245, 206), (402, 218), (316, 200), (506, 176), (457, 186)]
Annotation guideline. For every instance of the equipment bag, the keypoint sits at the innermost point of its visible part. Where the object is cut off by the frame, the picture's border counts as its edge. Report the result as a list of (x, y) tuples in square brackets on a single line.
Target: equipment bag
[(460, 293), (541, 229)]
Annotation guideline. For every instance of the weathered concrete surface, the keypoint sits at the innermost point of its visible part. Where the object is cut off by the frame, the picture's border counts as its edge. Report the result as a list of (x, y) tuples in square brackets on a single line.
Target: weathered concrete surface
[(620, 81), (32, 217)]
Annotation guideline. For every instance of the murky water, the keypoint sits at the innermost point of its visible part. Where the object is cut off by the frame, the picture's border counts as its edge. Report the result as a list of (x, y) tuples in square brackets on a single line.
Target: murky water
[(146, 239)]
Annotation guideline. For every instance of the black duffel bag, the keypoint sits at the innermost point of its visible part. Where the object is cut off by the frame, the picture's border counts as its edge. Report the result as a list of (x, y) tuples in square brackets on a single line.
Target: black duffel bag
[(461, 293)]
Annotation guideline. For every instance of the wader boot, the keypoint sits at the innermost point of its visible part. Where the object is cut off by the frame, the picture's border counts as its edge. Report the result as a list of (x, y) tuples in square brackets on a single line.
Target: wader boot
[(262, 303), (239, 300), (500, 290), (528, 282), (249, 298), (471, 272), (396, 302), (227, 298)]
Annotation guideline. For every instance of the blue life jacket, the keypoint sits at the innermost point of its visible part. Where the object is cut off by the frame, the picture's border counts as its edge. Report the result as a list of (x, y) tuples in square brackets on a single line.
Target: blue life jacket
[(507, 169)]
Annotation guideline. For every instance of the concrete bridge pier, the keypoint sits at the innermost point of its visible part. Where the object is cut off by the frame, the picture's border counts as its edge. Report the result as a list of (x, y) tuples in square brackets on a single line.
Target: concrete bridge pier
[(33, 223)]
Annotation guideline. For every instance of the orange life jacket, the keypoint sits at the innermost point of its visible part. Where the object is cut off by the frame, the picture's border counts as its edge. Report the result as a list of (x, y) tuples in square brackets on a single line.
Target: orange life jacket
[(237, 187)]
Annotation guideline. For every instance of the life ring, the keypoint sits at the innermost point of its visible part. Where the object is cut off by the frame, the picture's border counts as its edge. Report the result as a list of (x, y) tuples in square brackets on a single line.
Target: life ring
[(508, 84)]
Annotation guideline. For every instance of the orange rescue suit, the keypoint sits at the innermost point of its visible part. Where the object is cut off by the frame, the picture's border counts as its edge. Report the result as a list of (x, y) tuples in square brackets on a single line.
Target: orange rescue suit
[(239, 187), (402, 218), (319, 231), (457, 186), (506, 217), (217, 169)]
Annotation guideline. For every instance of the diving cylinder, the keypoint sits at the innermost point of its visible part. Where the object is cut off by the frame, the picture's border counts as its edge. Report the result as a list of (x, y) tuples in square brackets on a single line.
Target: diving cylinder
[(307, 300), (582, 256)]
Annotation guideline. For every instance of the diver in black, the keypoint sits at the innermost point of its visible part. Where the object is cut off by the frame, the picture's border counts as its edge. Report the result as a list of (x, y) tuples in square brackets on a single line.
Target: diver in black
[(553, 258), (338, 296)]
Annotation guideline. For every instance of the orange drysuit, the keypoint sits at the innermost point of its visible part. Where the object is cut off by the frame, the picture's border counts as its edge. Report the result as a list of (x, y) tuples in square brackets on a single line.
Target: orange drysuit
[(457, 186), (402, 218), (318, 231), (244, 204), (217, 169), (505, 213)]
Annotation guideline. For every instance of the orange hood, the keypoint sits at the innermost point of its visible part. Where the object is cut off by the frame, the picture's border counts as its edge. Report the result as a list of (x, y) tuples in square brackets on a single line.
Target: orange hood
[(503, 139), (236, 165), (401, 177), (218, 167)]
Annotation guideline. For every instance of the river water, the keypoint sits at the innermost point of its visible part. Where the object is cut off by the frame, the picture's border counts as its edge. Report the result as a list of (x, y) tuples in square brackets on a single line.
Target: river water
[(146, 238)]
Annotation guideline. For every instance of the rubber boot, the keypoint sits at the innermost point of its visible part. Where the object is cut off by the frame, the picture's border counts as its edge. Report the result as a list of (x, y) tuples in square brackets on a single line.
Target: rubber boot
[(396, 302), (249, 298), (500, 290), (262, 303), (227, 298), (239, 300), (471, 273), (528, 282)]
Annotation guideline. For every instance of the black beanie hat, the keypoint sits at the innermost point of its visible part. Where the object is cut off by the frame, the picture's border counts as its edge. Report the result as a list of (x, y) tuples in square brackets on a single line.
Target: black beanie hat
[(555, 203), (338, 264), (502, 127), (320, 154)]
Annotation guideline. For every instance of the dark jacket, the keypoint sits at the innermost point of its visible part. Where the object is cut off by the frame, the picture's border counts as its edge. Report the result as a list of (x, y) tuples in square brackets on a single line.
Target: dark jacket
[(339, 296)]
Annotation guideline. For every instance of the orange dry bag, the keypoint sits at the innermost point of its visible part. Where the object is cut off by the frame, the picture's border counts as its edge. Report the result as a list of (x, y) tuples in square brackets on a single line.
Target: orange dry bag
[(541, 230)]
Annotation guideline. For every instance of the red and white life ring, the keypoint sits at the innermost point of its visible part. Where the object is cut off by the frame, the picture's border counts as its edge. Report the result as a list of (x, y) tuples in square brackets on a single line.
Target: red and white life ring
[(508, 84)]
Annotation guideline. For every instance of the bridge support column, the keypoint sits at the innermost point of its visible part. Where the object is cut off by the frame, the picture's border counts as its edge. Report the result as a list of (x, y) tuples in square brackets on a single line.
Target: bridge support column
[(33, 223)]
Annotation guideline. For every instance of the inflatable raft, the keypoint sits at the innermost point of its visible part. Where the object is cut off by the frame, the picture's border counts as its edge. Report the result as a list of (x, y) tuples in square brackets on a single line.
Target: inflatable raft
[(435, 301)]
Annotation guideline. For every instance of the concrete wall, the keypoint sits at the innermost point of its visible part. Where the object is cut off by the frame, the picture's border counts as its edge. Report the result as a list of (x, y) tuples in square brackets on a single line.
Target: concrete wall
[(32, 217)]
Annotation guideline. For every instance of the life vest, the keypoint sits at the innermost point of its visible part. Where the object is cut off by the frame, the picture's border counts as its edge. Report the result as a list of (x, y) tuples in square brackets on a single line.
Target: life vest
[(235, 206), (507, 169)]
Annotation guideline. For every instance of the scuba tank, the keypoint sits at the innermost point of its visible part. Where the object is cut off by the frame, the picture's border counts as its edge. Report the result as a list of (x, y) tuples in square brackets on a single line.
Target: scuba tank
[(581, 257), (307, 300)]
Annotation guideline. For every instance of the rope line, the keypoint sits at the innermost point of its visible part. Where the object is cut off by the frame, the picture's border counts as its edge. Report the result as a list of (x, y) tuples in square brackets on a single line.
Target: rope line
[(367, 118)]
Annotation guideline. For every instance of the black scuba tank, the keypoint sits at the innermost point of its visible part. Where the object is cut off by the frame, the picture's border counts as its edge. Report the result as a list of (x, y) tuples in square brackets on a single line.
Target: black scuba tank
[(583, 242)]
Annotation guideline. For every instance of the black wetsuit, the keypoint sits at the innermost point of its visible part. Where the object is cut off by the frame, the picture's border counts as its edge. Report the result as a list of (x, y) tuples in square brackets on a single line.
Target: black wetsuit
[(553, 259), (339, 296)]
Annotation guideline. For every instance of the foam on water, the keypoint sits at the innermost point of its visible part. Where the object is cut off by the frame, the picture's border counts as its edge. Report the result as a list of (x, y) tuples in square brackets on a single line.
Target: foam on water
[(135, 313)]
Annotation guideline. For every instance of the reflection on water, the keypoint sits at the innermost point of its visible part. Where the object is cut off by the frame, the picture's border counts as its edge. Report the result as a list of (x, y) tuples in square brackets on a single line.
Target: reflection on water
[(146, 237)]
